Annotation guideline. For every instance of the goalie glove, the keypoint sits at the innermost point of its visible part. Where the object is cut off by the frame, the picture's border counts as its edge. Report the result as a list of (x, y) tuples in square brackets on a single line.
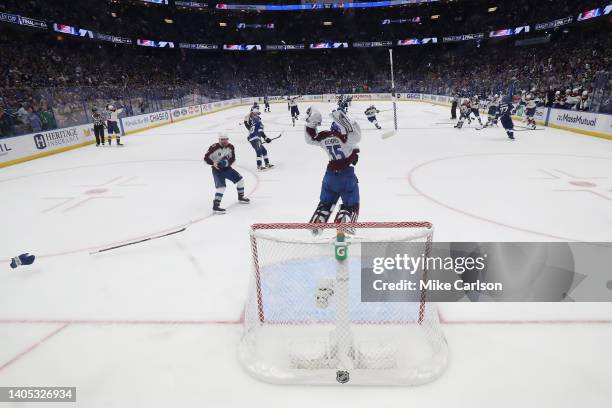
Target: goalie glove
[(23, 259), (313, 118)]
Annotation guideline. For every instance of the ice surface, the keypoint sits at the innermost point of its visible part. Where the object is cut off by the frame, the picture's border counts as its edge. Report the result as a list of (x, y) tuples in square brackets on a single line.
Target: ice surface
[(156, 324)]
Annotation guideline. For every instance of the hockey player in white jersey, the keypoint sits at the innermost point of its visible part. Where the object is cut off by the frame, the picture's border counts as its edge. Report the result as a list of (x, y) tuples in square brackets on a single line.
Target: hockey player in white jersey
[(465, 111), (340, 181), (475, 106), (530, 110), (112, 123), (371, 115), (292, 105), (220, 156), (493, 111)]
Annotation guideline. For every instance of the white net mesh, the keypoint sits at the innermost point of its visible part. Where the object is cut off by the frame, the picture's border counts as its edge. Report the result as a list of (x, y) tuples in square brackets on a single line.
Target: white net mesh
[(305, 321)]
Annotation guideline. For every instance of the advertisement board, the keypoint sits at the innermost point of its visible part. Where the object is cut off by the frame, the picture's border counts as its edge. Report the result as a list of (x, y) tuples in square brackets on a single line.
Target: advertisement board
[(18, 149), (593, 124), (141, 122), (187, 112)]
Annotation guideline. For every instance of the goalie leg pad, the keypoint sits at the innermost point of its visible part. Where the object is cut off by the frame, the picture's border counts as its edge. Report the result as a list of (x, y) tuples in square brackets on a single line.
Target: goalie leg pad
[(347, 214), (322, 213)]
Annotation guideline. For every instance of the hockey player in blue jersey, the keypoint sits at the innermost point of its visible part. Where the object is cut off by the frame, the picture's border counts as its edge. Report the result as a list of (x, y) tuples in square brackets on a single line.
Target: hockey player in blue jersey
[(257, 137), (266, 102), (343, 103), (340, 181), (506, 109)]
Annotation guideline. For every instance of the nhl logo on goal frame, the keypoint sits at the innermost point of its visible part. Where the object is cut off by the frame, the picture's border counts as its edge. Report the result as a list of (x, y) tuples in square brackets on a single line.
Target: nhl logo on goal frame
[(342, 377)]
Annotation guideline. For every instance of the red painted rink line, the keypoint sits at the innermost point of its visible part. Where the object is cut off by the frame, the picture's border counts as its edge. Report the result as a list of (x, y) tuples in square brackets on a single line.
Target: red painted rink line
[(413, 184), (66, 323), (137, 238), (145, 322), (33, 347)]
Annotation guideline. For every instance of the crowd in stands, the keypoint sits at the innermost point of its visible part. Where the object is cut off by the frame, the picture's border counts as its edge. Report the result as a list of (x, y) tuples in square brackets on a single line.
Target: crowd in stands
[(48, 81), (132, 18)]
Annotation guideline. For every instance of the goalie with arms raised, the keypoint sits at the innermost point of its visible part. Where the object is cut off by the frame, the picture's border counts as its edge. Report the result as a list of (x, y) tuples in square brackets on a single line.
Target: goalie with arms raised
[(340, 181)]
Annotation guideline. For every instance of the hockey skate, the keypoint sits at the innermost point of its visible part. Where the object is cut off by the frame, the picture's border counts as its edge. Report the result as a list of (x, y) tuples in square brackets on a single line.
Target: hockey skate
[(217, 207), (242, 199)]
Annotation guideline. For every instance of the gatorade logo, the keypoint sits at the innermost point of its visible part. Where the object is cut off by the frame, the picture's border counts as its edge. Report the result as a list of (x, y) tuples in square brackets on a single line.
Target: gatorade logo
[(341, 252)]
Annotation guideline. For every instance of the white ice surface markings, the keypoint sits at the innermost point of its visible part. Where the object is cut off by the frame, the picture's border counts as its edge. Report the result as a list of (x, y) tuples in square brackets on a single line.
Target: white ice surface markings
[(163, 315)]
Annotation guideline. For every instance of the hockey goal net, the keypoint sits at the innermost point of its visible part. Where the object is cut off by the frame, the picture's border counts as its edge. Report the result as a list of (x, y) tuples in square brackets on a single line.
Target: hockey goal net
[(305, 321)]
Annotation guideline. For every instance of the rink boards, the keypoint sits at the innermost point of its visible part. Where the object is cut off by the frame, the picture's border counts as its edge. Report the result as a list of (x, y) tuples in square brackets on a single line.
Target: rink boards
[(19, 149)]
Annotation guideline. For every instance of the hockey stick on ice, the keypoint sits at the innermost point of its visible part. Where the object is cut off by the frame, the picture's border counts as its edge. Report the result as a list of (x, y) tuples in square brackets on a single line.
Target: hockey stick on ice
[(151, 238), (519, 127)]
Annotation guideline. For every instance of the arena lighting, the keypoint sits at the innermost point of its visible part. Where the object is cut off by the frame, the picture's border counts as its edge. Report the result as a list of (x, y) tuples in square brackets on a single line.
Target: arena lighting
[(327, 23), (114, 14), (492, 9), (222, 24), (435, 17), (168, 20)]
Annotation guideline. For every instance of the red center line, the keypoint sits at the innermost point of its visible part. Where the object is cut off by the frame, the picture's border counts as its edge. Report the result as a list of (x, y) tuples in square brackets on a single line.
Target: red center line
[(118, 321), (33, 346)]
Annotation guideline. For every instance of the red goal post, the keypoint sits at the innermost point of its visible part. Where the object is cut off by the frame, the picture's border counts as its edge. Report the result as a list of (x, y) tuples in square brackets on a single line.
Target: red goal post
[(306, 320), (412, 225)]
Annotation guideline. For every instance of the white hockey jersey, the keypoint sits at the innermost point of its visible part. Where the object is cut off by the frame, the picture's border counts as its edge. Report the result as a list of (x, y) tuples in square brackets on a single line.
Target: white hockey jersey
[(113, 116), (342, 149)]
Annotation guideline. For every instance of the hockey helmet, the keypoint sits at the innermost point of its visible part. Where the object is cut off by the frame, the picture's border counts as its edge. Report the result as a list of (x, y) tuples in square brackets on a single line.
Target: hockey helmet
[(223, 139)]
